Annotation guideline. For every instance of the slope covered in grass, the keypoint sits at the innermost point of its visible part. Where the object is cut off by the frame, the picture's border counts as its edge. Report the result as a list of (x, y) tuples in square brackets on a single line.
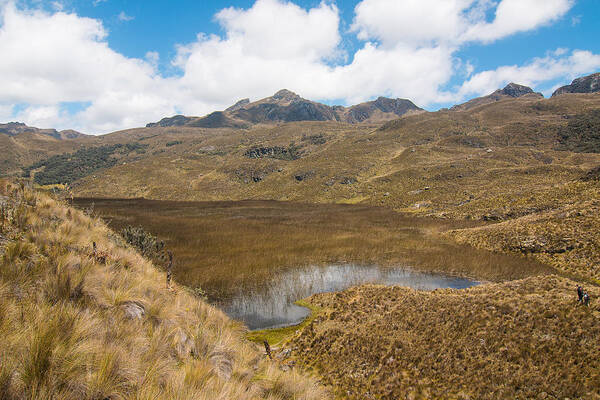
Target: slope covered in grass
[(564, 233), (75, 325), (523, 339)]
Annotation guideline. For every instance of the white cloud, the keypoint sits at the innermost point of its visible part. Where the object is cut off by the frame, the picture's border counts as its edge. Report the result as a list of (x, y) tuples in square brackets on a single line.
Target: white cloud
[(124, 17), (554, 66), (423, 22), (409, 50), (514, 16)]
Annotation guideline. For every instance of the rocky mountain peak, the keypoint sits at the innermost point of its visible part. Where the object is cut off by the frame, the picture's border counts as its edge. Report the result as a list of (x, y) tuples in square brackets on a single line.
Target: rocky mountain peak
[(286, 95), (516, 90)]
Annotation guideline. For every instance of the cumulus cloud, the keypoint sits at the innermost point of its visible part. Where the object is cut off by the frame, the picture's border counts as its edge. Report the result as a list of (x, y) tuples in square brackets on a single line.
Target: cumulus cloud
[(557, 64), (514, 16), (408, 49)]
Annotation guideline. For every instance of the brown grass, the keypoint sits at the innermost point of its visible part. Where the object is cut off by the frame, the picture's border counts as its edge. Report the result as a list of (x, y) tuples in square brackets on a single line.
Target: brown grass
[(523, 339), (221, 245), (564, 236), (66, 333)]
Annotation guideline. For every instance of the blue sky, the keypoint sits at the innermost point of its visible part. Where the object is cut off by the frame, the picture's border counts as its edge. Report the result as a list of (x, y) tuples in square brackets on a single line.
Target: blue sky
[(102, 65)]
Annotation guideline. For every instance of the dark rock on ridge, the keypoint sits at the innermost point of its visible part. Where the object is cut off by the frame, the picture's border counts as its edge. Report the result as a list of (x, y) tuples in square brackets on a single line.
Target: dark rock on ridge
[(585, 84)]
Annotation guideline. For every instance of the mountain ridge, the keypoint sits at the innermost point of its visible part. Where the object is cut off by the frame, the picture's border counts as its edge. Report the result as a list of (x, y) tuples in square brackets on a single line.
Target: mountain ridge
[(16, 128), (287, 106)]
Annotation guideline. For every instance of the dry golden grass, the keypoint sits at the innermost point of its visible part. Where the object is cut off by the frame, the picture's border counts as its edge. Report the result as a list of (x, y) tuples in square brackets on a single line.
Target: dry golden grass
[(523, 339), (75, 326), (564, 236), (220, 246)]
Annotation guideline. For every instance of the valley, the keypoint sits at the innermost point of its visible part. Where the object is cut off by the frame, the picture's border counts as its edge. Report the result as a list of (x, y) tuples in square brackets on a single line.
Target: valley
[(283, 208)]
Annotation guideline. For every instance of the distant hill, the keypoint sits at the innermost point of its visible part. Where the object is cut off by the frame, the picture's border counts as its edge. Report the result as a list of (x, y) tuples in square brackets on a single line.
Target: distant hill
[(286, 106), (585, 84), (512, 90), (16, 128)]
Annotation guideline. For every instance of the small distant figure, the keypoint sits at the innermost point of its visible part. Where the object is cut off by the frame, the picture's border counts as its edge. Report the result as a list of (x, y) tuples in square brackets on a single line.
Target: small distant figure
[(586, 299), (169, 269), (268, 349), (579, 293)]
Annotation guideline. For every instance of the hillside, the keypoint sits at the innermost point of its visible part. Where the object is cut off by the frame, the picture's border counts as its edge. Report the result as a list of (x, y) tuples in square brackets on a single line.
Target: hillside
[(516, 340), (517, 156), (286, 106), (82, 325)]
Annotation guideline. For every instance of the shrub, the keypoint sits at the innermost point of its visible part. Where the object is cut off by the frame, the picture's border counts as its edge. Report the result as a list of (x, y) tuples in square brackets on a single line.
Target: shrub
[(146, 243), (69, 167)]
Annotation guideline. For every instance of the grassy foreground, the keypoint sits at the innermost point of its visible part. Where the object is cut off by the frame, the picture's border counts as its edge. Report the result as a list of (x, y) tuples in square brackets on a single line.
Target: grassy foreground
[(525, 339), (75, 325)]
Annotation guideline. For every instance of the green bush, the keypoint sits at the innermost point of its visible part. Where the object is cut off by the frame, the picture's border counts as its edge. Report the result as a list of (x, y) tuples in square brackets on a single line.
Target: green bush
[(147, 244)]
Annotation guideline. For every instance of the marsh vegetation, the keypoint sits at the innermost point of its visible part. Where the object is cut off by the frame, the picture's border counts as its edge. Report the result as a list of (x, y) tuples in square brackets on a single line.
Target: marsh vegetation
[(228, 247)]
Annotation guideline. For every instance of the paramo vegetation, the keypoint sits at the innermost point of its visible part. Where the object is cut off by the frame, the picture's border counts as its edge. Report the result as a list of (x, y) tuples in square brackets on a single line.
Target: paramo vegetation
[(78, 324)]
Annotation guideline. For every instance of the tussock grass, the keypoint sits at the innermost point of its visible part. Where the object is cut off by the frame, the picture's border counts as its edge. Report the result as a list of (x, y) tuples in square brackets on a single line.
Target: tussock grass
[(522, 339), (564, 235), (67, 331)]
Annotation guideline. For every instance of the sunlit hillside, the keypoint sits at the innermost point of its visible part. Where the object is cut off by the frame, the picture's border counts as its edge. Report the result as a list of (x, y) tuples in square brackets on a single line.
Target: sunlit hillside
[(83, 324)]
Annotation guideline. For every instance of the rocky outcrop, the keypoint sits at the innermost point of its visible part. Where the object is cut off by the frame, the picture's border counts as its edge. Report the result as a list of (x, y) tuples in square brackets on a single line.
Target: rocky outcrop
[(585, 84), (512, 90)]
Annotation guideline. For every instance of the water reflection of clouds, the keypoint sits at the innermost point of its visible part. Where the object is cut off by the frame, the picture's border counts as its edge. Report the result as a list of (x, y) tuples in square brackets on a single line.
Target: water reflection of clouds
[(272, 304)]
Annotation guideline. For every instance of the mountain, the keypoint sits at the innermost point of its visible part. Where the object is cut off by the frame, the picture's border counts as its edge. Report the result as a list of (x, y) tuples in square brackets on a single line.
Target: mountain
[(585, 84), (512, 90), (286, 106), (17, 128)]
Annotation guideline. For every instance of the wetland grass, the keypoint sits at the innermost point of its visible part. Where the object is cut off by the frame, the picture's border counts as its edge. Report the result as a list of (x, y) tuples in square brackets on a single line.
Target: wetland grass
[(221, 245)]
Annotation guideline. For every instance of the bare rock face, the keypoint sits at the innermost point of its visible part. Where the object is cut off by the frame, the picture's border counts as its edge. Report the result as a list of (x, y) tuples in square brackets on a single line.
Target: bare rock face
[(585, 84)]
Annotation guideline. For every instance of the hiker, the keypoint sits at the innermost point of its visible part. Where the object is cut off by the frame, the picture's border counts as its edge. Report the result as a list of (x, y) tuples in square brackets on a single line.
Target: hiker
[(579, 293), (267, 349), (586, 299), (169, 269)]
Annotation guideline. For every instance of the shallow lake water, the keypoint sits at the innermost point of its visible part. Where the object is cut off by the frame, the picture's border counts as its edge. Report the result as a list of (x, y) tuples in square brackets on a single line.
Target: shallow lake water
[(271, 305)]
